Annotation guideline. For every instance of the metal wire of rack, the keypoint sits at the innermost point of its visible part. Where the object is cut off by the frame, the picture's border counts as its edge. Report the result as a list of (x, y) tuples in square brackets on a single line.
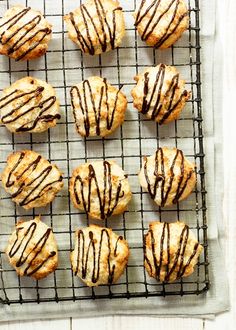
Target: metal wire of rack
[(63, 66)]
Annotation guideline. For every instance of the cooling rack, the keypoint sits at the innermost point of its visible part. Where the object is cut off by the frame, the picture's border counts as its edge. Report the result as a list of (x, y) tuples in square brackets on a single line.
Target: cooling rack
[(63, 66)]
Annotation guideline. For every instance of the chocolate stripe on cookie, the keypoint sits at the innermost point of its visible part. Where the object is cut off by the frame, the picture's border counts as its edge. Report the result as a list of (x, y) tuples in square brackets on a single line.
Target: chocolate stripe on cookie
[(108, 198), (23, 102), (95, 249), (153, 20), (153, 91), (24, 33), (22, 244), (30, 178), (165, 175), (161, 245), (87, 97), (107, 34)]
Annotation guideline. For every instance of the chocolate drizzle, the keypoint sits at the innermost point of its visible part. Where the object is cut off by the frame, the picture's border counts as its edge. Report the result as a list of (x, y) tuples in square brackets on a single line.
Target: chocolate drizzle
[(22, 244), (155, 91), (106, 200), (23, 173), (23, 100), (96, 248), (178, 265), (24, 33), (165, 176), (87, 97), (152, 20), (105, 33)]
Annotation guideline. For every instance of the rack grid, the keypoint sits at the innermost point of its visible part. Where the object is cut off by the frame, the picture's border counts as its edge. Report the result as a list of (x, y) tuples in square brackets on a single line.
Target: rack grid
[(63, 66)]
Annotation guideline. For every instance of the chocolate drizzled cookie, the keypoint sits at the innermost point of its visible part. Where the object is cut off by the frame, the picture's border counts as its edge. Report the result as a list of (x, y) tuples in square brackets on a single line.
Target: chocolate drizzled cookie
[(30, 179), (161, 23), (29, 105), (24, 33), (167, 176), (97, 26), (170, 251), (32, 249), (100, 256)]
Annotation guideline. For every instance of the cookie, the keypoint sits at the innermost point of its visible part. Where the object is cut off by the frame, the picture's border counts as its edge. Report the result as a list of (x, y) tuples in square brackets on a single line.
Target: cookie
[(167, 176), (30, 179), (98, 107), (24, 33), (160, 23), (32, 249), (100, 256), (29, 105), (170, 251), (160, 93), (97, 26), (100, 188)]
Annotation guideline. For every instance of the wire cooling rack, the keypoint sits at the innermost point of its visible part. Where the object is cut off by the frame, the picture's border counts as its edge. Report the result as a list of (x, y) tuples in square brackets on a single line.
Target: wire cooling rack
[(63, 66)]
